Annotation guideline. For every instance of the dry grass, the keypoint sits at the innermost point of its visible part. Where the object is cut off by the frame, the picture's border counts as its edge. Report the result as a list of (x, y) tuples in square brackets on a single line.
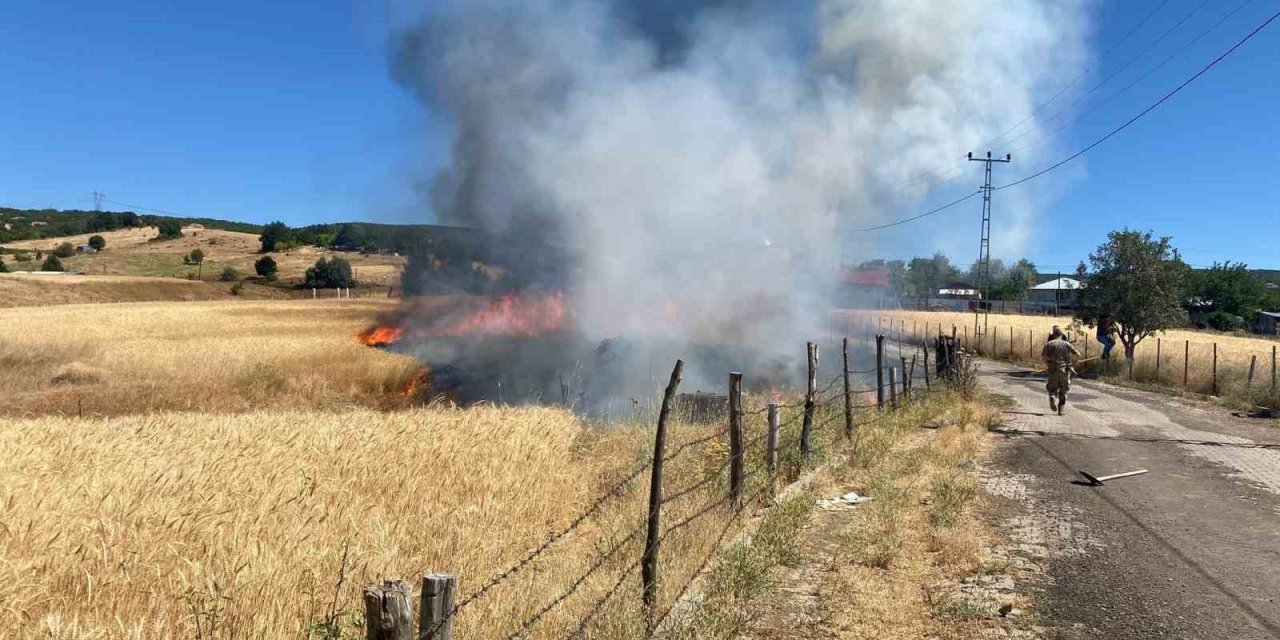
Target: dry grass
[(197, 356), (1175, 347), (133, 252), (31, 290)]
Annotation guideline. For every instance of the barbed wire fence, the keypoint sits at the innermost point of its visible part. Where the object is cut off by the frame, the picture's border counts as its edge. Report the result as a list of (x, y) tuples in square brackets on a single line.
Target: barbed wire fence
[(389, 605)]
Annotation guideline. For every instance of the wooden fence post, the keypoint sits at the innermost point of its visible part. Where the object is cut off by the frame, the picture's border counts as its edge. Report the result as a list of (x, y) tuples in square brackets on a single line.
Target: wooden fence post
[(927, 384), (911, 376), (771, 447), (1186, 362), (810, 400), (1031, 344), (906, 380), (1273, 368), (1215, 368), (1013, 351), (435, 621), (1253, 363), (653, 535), (848, 397), (880, 372), (735, 439), (1157, 360), (388, 610), (893, 387)]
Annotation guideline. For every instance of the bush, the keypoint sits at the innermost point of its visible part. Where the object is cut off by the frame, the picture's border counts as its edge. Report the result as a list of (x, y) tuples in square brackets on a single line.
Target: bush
[(52, 263), (98, 242), (237, 288), (169, 230), (330, 273), (64, 250), (229, 275), (3, 268), (22, 256), (265, 267), (1223, 321)]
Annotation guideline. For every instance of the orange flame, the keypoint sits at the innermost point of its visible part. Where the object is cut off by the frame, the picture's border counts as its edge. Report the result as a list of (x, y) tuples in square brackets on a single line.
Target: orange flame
[(511, 315), (380, 335), (420, 382)]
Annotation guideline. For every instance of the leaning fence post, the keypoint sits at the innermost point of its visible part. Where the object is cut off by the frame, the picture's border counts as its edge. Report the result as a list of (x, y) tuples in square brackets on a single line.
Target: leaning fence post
[(879, 372), (1253, 363), (435, 621), (1215, 369), (388, 610), (649, 561), (893, 387), (911, 377), (927, 384), (848, 400), (806, 429), (735, 439), (771, 447)]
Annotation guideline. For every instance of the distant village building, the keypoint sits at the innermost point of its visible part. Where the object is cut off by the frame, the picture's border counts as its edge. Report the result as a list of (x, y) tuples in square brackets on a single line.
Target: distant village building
[(959, 290), (84, 248), (865, 288), (39, 223), (1268, 323), (195, 226), (1058, 290)]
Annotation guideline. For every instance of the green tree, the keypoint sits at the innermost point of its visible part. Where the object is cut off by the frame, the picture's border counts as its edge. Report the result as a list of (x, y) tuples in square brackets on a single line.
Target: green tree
[(1015, 282), (196, 256), (330, 273), (1139, 282), (925, 276), (275, 235), (64, 250), (98, 243), (52, 263), (349, 238), (1226, 289), (265, 267), (169, 229)]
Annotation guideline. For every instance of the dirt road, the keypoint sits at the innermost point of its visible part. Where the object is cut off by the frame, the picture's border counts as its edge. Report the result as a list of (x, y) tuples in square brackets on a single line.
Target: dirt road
[(1190, 550)]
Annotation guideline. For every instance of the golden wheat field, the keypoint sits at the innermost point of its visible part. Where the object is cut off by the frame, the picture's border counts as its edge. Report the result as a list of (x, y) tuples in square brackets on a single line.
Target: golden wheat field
[(117, 359), (1013, 335), (242, 469)]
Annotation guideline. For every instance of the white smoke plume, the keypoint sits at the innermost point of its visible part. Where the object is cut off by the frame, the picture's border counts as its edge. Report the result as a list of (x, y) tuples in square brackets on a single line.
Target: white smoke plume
[(700, 157)]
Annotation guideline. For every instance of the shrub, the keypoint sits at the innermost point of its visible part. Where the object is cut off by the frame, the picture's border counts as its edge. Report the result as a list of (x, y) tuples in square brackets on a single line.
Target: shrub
[(98, 242), (22, 256), (330, 273), (52, 263), (3, 269), (237, 288), (64, 250), (229, 275), (1223, 321), (169, 230), (265, 267)]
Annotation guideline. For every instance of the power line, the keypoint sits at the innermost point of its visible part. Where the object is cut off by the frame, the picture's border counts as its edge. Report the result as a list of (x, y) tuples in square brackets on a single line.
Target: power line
[(1149, 109), (923, 215), (151, 209), (1084, 73), (1045, 135)]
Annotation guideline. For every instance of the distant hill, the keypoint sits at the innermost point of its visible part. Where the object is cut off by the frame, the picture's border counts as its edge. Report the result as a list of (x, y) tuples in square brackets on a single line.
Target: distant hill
[(1270, 275), (33, 224)]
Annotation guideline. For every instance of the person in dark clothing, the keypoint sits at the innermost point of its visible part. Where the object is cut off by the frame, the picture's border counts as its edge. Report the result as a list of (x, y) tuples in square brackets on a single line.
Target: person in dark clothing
[(1106, 327)]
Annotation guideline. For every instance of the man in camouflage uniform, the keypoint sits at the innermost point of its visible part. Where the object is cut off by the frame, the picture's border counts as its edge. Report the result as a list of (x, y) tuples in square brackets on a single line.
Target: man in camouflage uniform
[(1058, 356)]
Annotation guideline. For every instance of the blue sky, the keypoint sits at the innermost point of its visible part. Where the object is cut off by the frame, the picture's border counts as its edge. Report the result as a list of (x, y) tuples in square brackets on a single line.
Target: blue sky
[(260, 111)]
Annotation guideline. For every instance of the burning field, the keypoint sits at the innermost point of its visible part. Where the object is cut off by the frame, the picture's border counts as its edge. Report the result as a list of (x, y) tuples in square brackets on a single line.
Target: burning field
[(527, 349)]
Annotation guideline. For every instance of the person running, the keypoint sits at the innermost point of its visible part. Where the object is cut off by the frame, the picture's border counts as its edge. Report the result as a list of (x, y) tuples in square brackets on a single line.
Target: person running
[(1106, 327), (1059, 356)]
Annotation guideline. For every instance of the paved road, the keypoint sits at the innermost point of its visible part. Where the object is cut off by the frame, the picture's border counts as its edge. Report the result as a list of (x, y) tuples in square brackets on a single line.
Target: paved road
[(1190, 550)]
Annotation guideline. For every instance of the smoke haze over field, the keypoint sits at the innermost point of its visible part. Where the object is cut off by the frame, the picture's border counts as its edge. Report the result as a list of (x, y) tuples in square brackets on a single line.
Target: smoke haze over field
[(699, 156)]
